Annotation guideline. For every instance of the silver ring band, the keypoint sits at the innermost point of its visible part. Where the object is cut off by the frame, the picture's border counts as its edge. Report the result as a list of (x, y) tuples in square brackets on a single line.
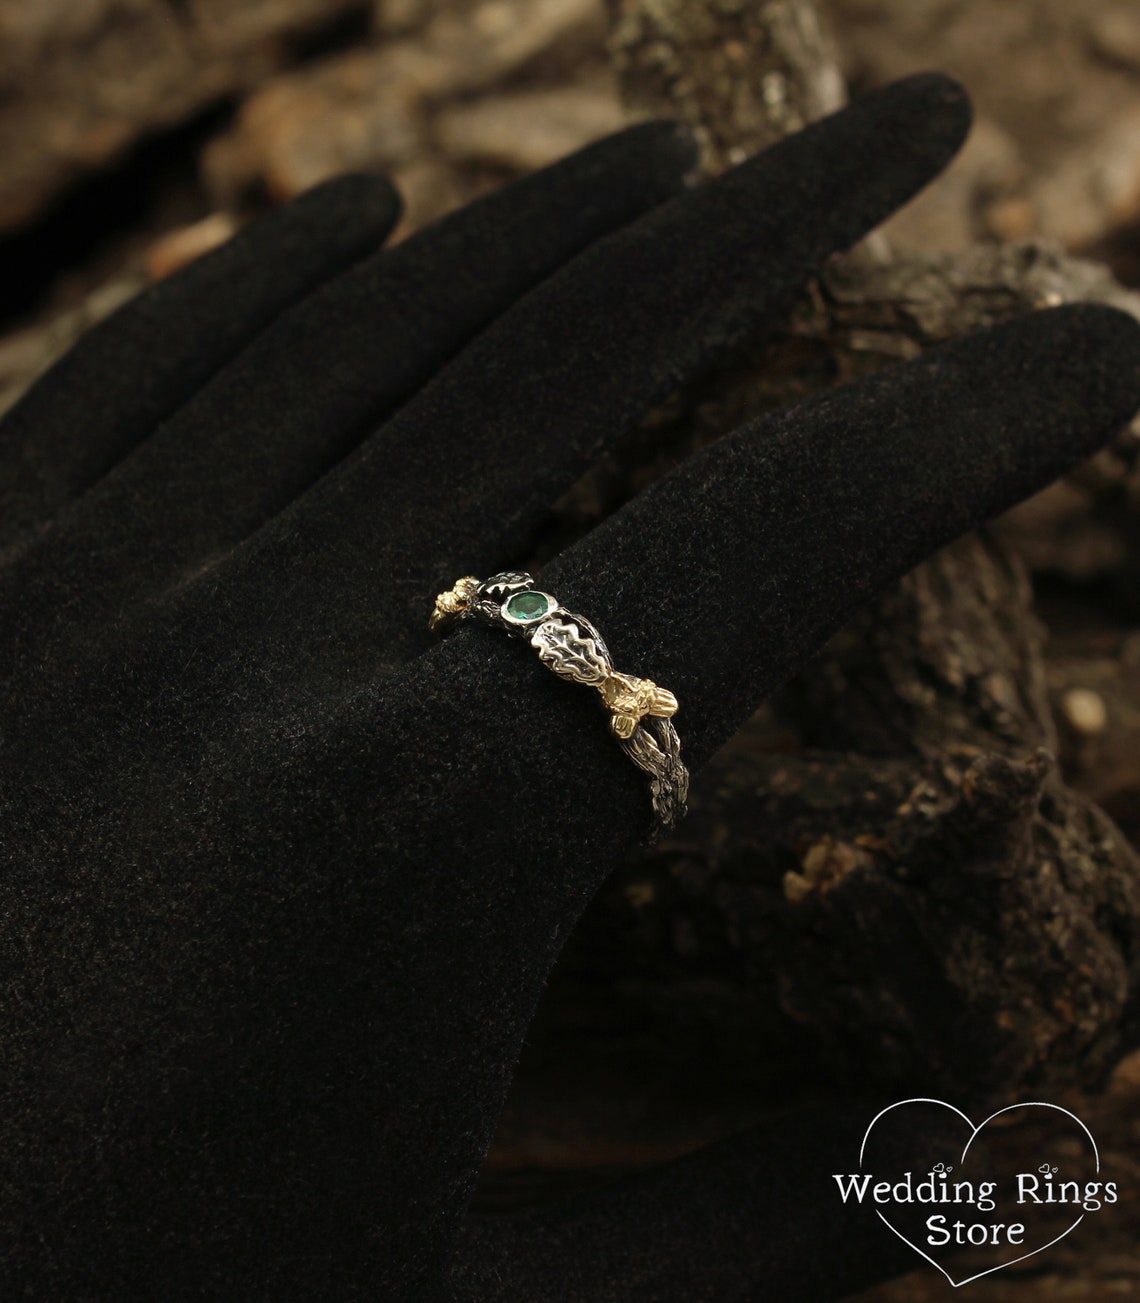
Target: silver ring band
[(640, 711)]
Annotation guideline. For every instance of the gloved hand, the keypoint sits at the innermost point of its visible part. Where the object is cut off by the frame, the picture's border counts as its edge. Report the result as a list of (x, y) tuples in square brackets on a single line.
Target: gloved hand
[(281, 878)]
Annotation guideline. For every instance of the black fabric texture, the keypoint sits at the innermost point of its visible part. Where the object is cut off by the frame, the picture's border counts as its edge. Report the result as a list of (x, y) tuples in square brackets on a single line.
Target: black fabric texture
[(139, 366), (676, 1231), (283, 879)]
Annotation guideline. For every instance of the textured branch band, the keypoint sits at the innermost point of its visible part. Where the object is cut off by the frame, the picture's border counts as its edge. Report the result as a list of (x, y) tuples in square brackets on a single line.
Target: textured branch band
[(640, 711)]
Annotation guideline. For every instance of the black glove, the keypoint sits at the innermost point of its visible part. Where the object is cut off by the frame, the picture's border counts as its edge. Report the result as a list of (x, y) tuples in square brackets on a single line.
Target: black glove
[(282, 881)]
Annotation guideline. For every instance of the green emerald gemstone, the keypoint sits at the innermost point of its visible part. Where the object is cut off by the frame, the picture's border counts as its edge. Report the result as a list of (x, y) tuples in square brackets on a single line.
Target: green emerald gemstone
[(528, 606)]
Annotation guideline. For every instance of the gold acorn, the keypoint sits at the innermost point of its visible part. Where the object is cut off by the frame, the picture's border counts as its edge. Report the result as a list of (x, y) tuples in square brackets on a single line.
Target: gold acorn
[(451, 605), (631, 699)]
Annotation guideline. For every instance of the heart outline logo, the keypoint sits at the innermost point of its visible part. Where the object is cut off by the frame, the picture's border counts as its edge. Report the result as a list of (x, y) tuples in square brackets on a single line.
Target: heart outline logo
[(974, 1130)]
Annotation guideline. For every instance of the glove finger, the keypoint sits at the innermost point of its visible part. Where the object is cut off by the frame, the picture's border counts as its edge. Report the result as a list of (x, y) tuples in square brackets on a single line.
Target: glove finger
[(133, 370), (321, 376), (792, 524), (466, 470)]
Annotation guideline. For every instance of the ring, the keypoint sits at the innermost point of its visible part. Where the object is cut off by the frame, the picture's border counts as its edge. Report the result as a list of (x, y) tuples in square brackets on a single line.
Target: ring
[(641, 713)]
